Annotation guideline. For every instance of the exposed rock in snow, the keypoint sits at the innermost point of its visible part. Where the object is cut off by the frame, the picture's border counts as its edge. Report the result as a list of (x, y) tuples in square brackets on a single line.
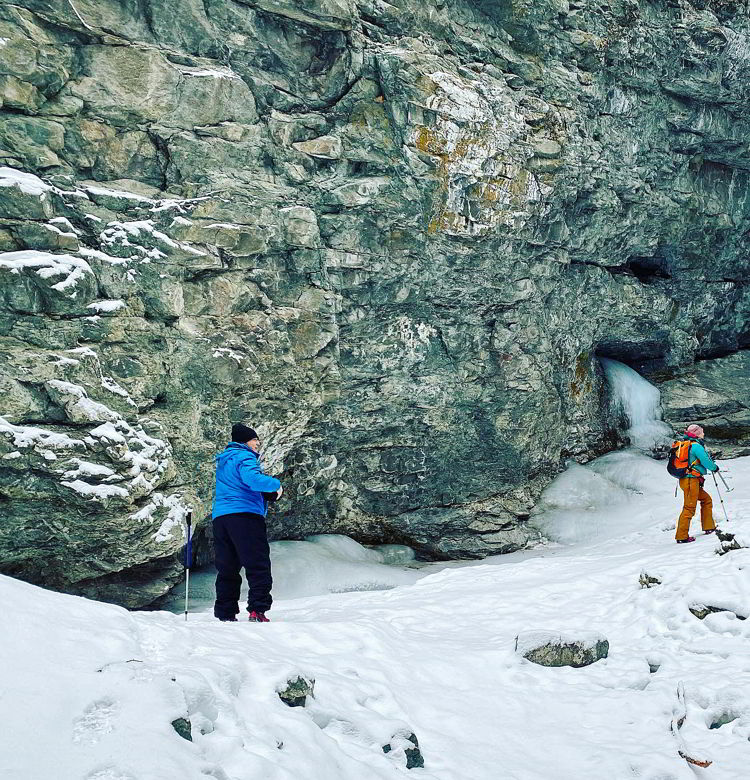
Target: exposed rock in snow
[(702, 611), (296, 691), (729, 541), (108, 464), (646, 580), (550, 648), (408, 744), (184, 728)]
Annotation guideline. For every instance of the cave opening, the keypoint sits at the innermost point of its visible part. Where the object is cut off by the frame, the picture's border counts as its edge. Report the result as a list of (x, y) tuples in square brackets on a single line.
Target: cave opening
[(632, 353), (648, 269), (646, 355)]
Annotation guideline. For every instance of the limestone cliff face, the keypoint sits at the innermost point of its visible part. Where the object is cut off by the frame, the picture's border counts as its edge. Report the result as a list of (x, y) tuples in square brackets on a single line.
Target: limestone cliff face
[(391, 236)]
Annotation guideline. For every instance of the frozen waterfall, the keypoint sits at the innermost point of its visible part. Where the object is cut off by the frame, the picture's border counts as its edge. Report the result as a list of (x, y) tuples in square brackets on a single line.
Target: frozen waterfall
[(641, 403), (612, 494)]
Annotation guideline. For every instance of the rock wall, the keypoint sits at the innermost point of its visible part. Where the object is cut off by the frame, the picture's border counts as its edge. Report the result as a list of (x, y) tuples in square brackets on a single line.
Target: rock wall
[(716, 394), (391, 236)]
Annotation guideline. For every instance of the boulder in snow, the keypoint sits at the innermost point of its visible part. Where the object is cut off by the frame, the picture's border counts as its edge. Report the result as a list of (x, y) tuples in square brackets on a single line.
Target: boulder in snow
[(552, 648), (728, 542), (408, 743), (647, 581), (184, 728), (296, 692), (702, 611)]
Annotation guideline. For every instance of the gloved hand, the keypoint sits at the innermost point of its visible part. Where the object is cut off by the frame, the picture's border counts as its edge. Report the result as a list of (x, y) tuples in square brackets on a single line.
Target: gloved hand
[(273, 495), (717, 468)]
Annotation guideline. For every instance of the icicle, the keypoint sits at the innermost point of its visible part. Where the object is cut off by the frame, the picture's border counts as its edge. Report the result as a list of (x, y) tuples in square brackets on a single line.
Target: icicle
[(641, 403)]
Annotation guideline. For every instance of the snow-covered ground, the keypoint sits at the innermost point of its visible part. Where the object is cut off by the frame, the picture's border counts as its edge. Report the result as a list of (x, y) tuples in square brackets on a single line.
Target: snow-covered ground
[(88, 691)]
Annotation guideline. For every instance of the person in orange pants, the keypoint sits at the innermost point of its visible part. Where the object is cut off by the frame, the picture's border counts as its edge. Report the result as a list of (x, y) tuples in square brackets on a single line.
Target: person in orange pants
[(692, 487)]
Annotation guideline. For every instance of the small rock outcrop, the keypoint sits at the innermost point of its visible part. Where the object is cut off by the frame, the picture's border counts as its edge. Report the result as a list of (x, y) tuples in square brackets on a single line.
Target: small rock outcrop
[(702, 611), (550, 648), (728, 542), (184, 728), (409, 745), (646, 580), (296, 691)]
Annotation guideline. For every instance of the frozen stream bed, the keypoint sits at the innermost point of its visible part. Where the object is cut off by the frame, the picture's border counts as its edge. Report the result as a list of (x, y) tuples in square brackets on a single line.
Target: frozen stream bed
[(90, 690)]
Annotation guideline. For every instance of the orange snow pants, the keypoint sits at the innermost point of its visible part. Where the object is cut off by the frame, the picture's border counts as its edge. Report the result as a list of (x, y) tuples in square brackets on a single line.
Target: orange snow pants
[(694, 492)]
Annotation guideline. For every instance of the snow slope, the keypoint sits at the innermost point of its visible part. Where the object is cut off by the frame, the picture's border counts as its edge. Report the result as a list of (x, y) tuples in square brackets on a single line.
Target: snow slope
[(88, 690)]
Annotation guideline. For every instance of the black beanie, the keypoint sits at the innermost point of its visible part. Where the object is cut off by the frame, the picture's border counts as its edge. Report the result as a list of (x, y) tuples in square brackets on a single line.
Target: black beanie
[(242, 434)]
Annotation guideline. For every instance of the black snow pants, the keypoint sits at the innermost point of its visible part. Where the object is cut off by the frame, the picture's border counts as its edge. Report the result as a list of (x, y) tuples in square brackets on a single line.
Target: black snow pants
[(240, 540)]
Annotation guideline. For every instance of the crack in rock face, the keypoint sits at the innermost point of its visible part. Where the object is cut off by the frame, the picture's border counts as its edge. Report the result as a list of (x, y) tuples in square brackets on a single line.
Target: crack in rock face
[(395, 242)]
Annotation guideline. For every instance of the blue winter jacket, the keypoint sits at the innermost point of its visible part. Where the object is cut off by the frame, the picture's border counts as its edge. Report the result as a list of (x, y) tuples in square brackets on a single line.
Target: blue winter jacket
[(240, 482), (699, 458)]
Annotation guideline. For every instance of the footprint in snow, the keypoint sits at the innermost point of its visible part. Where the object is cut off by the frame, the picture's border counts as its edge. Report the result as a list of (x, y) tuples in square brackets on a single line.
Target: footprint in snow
[(108, 773), (94, 723)]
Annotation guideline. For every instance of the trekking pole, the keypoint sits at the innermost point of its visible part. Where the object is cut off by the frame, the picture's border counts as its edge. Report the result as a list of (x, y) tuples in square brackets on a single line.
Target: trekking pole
[(726, 517), (721, 477), (188, 559)]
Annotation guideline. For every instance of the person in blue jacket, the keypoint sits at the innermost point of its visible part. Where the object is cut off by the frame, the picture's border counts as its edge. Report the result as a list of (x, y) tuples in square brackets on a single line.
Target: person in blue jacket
[(241, 500), (699, 463)]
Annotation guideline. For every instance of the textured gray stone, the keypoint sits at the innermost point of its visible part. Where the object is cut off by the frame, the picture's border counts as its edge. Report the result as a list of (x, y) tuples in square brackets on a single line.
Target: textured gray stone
[(702, 611), (336, 14), (394, 238), (714, 393), (645, 580), (548, 648), (184, 728), (728, 542), (327, 147), (296, 691)]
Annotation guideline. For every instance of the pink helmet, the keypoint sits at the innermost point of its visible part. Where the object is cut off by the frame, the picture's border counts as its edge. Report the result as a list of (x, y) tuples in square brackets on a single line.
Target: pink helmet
[(695, 431)]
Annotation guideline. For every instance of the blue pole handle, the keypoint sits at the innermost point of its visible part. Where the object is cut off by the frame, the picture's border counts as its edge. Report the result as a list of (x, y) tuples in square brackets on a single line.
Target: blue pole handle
[(189, 548)]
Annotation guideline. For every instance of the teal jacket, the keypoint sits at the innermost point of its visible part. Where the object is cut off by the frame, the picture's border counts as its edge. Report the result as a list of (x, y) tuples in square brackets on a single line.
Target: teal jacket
[(699, 458)]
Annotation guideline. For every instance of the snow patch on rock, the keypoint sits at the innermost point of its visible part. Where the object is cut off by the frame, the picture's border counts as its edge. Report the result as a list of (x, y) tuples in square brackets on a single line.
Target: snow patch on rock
[(107, 306), (48, 265)]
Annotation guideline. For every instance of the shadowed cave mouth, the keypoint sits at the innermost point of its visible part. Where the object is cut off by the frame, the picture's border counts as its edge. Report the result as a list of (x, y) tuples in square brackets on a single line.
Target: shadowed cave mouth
[(642, 355), (649, 269)]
